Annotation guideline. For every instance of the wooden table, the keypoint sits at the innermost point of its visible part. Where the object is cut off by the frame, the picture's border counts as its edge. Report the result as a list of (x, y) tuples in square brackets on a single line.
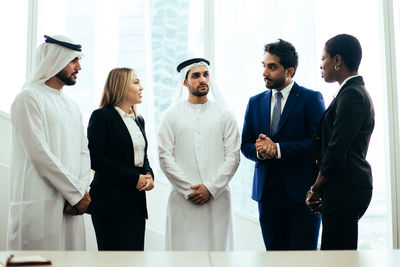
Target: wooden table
[(366, 258)]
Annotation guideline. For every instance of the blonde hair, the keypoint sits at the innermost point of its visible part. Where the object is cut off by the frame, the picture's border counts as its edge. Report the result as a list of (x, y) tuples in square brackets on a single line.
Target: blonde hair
[(116, 88)]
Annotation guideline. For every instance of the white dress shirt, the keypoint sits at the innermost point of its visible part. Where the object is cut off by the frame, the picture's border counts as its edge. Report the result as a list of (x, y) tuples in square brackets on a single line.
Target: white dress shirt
[(138, 141), (285, 94)]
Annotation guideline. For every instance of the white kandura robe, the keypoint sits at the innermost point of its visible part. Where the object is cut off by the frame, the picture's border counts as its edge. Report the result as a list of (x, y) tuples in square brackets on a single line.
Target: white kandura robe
[(199, 144), (49, 164)]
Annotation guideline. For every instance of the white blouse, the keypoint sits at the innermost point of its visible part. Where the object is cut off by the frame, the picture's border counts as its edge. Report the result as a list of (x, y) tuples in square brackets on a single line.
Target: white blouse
[(138, 141)]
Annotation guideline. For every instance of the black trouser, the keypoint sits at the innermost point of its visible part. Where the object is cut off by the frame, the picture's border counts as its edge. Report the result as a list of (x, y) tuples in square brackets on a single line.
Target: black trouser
[(341, 211), (119, 235), (285, 224), (289, 228)]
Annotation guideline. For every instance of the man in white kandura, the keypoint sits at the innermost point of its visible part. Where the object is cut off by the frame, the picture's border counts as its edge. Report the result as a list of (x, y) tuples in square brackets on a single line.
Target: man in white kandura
[(199, 149), (50, 165)]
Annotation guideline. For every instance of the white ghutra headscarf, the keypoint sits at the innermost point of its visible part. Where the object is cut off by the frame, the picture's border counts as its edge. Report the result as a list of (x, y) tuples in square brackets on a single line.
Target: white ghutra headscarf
[(182, 91), (51, 57)]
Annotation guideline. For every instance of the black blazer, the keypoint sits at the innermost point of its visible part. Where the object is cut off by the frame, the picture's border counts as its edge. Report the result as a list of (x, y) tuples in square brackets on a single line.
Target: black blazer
[(113, 190), (342, 138)]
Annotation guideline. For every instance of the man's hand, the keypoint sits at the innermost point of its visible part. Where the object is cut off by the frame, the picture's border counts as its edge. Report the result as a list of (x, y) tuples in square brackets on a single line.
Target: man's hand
[(82, 205), (201, 195), (314, 201), (265, 147), (68, 209), (149, 183)]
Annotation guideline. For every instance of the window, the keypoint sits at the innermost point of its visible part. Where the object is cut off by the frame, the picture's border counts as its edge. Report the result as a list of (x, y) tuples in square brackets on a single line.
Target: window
[(151, 37), (14, 19)]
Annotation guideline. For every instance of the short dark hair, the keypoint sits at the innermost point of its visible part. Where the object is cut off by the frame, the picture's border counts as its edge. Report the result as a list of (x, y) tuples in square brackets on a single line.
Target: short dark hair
[(285, 51), (348, 47)]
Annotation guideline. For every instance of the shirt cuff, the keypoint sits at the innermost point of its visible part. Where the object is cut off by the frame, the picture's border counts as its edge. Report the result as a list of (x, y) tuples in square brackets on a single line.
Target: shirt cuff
[(73, 200), (211, 188), (278, 151)]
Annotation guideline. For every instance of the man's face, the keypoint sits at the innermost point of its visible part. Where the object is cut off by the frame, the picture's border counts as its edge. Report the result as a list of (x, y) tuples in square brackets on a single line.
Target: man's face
[(197, 81), (275, 75), (68, 74)]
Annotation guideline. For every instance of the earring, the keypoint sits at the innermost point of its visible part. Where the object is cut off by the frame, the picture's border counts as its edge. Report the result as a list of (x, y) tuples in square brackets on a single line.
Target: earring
[(336, 67)]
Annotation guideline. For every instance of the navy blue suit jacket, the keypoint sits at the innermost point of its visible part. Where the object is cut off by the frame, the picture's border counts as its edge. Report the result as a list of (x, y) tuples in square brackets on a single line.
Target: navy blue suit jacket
[(299, 120)]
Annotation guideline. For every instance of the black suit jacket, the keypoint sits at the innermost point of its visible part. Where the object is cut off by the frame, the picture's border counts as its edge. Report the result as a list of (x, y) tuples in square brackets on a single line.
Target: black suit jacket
[(113, 190), (342, 138)]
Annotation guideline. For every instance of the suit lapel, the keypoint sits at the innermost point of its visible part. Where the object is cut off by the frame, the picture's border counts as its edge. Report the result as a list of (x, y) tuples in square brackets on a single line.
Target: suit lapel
[(140, 123), (121, 126), (290, 103), (357, 80), (120, 122), (265, 113), (353, 81)]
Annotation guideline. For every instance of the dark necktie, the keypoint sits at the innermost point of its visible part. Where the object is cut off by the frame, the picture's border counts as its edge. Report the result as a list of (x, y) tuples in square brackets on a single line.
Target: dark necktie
[(276, 113)]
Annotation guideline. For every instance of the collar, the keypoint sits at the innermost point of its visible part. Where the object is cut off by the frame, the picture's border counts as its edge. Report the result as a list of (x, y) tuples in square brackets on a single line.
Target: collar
[(124, 114), (52, 90), (343, 83), (285, 91)]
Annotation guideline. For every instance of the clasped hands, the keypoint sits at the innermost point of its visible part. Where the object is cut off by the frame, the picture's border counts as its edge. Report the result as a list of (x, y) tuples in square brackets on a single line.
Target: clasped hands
[(80, 207), (201, 195), (314, 201), (145, 182), (265, 147)]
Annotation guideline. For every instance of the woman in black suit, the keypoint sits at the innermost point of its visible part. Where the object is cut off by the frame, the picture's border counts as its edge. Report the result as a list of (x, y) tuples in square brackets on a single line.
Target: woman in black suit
[(343, 188), (118, 145)]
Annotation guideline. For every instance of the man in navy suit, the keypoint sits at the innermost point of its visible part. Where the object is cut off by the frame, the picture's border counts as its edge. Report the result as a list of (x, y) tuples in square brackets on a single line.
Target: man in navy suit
[(277, 131)]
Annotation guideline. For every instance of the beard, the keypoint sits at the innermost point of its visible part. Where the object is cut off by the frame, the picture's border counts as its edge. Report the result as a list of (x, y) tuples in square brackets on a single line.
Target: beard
[(274, 84), (196, 92), (62, 75)]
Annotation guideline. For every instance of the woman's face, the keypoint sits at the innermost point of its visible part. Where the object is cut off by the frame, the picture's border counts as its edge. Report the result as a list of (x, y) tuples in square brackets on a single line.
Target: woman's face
[(328, 73), (134, 90)]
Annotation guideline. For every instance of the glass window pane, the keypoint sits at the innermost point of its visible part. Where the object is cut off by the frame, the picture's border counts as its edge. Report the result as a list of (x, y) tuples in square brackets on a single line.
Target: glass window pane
[(14, 21)]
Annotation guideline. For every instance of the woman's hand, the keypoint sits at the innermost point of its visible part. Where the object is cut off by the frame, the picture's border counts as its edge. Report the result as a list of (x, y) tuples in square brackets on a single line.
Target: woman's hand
[(314, 201), (141, 182), (149, 183)]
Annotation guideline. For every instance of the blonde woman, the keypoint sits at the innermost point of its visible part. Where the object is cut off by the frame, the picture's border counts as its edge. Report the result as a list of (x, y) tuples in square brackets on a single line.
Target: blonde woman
[(118, 145)]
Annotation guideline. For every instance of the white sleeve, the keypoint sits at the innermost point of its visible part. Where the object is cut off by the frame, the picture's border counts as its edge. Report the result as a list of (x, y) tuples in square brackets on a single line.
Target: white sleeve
[(232, 158), (166, 141), (26, 120), (85, 169)]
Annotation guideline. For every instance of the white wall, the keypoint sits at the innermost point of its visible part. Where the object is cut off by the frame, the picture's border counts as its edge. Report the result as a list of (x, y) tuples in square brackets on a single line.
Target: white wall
[(247, 230)]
